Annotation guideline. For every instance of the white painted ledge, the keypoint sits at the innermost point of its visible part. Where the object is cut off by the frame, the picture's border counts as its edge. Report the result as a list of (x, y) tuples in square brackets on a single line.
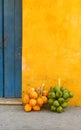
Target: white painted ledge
[(10, 101)]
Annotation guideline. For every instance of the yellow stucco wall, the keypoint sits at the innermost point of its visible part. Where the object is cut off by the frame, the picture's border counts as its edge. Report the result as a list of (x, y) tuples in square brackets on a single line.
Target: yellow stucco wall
[(52, 44)]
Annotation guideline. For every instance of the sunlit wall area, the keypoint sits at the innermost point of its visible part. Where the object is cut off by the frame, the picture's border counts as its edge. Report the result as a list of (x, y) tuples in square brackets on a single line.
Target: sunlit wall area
[(52, 44)]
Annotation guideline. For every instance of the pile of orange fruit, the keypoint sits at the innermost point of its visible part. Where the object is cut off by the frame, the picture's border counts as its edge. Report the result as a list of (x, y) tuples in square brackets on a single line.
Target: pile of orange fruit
[(34, 99)]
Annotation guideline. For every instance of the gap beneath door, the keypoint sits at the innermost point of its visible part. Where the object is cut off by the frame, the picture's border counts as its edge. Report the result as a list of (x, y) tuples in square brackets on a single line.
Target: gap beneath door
[(10, 101)]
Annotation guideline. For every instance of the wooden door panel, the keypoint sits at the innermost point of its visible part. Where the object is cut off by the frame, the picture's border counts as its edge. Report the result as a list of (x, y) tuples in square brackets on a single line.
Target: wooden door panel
[(18, 47), (9, 48), (12, 48)]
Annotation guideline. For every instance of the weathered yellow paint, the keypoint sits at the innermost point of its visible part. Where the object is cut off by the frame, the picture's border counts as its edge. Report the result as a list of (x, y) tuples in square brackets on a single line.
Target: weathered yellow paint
[(52, 44)]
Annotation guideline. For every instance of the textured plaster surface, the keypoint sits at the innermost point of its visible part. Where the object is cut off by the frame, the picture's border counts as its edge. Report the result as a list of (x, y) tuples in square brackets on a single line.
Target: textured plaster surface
[(52, 44)]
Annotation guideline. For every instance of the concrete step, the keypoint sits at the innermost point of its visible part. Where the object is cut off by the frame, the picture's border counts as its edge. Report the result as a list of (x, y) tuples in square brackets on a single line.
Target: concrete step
[(10, 101)]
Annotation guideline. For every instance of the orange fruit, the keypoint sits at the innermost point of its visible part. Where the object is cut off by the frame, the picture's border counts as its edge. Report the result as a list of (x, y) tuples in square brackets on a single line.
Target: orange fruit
[(32, 102), (33, 95), (45, 100), (45, 92), (27, 108), (25, 99), (40, 101), (30, 90), (36, 108)]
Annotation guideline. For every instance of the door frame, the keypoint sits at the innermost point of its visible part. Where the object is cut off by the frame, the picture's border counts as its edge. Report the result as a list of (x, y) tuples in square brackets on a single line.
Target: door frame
[(1, 49)]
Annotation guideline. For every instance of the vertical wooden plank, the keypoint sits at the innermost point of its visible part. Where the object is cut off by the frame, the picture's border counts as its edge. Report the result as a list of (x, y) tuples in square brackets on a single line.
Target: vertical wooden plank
[(18, 49), (1, 52), (9, 48)]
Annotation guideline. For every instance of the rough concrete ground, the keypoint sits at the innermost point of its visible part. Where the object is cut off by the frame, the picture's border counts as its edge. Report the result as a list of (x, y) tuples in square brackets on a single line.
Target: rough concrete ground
[(14, 118)]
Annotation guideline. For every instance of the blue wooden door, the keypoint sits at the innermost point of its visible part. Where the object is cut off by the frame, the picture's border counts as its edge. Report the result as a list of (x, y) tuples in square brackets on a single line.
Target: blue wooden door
[(11, 51)]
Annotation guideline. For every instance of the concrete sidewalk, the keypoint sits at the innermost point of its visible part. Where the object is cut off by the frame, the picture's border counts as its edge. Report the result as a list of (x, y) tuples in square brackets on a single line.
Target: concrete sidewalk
[(14, 118)]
